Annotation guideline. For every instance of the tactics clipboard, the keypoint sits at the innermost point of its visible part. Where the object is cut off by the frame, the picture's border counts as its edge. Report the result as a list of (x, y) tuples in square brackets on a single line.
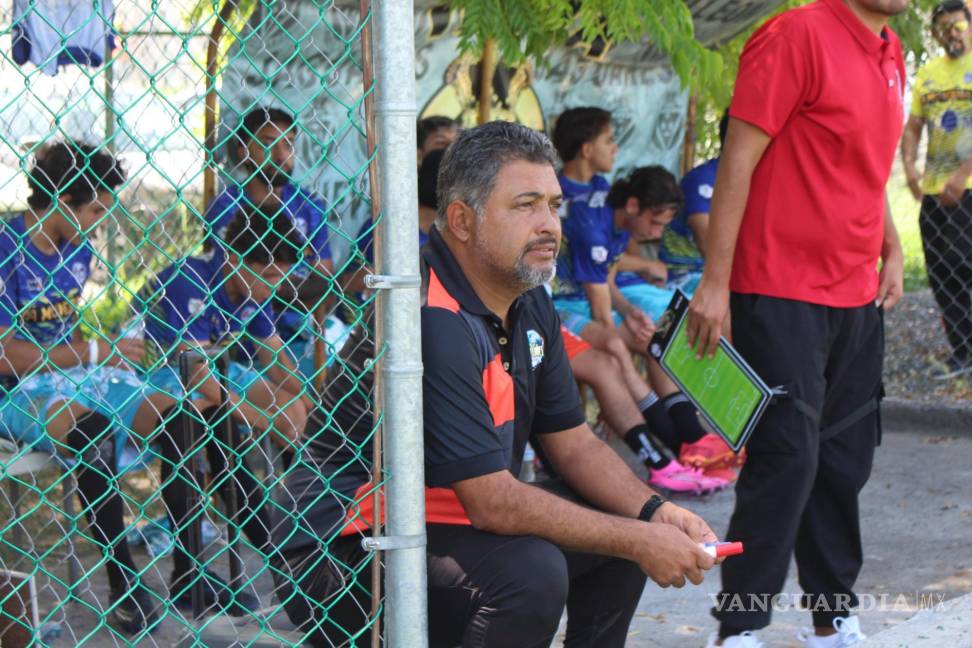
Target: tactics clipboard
[(725, 390)]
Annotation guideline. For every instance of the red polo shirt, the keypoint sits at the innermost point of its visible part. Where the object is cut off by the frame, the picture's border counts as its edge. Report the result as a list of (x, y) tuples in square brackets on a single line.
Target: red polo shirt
[(829, 92)]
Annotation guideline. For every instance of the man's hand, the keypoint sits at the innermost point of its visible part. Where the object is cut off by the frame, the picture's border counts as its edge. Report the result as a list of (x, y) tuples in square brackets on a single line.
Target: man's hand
[(954, 188), (688, 522), (914, 185), (891, 279), (707, 311), (640, 325), (668, 556)]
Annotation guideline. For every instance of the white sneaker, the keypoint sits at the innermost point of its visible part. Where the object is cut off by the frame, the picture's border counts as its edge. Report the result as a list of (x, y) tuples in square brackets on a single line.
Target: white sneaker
[(745, 640), (848, 634)]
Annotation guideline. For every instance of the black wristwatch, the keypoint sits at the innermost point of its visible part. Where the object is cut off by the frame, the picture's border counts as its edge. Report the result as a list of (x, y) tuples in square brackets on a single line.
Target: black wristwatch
[(652, 505)]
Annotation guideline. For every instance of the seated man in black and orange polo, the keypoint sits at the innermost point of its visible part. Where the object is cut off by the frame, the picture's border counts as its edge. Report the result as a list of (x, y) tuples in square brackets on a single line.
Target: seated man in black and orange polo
[(504, 557)]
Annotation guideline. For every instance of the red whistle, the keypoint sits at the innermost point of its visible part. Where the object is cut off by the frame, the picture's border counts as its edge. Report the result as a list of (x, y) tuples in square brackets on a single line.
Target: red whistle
[(722, 549)]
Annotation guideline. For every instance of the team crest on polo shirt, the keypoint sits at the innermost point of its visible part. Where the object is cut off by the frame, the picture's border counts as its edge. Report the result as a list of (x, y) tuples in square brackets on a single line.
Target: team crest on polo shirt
[(705, 190), (599, 254), (535, 340)]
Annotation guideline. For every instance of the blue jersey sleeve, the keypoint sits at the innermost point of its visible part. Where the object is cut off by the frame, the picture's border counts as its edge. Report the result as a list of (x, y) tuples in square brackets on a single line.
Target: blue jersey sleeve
[(184, 307), (318, 234), (697, 187), (8, 280), (260, 325), (591, 255), (221, 211), (364, 241)]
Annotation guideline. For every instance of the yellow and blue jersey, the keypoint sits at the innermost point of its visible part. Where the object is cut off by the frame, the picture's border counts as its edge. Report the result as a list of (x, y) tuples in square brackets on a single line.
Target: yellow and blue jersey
[(942, 97)]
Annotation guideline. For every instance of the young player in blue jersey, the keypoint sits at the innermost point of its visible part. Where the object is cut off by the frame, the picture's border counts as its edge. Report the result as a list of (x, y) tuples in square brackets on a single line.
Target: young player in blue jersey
[(223, 300), (428, 204), (602, 226), (266, 162), (683, 241), (62, 393)]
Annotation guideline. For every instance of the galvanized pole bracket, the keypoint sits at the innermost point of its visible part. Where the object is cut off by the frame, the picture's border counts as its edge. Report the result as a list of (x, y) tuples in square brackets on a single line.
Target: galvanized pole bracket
[(391, 282), (390, 543)]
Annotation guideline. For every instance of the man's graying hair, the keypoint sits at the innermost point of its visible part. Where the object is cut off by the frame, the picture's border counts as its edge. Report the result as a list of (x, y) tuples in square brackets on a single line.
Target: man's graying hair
[(470, 166)]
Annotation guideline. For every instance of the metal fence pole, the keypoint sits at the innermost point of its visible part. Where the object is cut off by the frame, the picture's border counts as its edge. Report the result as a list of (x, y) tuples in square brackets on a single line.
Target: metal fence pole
[(401, 368)]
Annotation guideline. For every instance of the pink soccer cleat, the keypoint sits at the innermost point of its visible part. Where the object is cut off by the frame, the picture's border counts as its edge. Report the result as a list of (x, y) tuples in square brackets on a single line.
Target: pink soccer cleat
[(710, 452), (676, 478)]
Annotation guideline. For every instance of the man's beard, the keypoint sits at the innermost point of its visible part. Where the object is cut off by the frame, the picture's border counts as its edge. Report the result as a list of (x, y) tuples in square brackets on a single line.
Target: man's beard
[(529, 276), (523, 276), (269, 173), (955, 49)]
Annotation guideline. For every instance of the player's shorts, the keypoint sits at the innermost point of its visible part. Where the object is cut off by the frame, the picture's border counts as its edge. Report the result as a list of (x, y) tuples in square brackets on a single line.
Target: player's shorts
[(573, 344), (575, 314), (301, 345), (687, 282), (27, 407), (239, 379), (651, 299), (114, 392)]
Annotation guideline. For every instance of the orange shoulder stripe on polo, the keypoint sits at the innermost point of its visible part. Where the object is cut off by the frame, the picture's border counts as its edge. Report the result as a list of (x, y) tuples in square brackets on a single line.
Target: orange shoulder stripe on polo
[(441, 507), (498, 387), (438, 296)]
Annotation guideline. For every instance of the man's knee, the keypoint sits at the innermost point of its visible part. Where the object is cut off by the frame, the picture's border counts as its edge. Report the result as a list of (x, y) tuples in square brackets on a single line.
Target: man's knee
[(539, 582)]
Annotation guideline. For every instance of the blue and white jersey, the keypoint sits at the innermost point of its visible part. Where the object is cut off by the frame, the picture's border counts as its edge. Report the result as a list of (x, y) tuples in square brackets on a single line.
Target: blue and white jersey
[(307, 211), (591, 243), (309, 215), (678, 249), (40, 293), (188, 302), (364, 241)]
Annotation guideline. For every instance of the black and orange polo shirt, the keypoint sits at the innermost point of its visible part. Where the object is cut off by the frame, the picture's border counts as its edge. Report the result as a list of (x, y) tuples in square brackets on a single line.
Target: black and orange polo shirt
[(486, 390)]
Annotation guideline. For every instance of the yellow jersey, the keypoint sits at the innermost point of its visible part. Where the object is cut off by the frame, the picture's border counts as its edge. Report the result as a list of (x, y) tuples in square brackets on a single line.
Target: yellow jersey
[(942, 97)]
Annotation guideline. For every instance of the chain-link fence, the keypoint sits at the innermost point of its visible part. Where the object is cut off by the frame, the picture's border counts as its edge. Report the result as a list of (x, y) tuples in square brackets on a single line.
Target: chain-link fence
[(187, 227)]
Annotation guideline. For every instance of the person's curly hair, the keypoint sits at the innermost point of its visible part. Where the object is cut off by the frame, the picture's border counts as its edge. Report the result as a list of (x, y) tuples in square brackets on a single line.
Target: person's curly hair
[(72, 171)]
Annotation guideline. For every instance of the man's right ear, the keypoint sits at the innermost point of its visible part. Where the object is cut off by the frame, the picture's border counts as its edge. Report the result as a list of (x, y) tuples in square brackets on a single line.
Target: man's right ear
[(585, 150), (459, 220)]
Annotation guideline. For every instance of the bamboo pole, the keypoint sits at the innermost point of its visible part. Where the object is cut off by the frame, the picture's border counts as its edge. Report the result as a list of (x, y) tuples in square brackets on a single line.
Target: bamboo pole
[(487, 68), (368, 90), (209, 115)]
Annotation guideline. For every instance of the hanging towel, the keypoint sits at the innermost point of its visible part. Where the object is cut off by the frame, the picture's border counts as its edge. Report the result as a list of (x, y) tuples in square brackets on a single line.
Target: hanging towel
[(51, 33)]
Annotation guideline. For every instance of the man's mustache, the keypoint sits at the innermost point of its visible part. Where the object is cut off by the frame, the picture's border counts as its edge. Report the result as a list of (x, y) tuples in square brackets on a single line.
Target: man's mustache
[(542, 242)]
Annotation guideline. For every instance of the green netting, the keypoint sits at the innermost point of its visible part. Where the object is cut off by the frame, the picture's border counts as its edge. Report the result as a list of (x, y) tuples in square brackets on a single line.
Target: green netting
[(187, 348)]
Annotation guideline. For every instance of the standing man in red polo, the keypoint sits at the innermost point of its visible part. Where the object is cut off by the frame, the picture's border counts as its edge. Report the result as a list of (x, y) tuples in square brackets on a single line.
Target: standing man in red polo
[(802, 248)]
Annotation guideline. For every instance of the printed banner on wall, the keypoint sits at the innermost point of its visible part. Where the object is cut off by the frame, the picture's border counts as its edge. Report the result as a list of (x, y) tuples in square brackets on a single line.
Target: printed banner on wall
[(322, 86)]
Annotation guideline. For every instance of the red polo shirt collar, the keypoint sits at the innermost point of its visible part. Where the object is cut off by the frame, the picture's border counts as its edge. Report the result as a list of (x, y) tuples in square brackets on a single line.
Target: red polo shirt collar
[(871, 42)]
